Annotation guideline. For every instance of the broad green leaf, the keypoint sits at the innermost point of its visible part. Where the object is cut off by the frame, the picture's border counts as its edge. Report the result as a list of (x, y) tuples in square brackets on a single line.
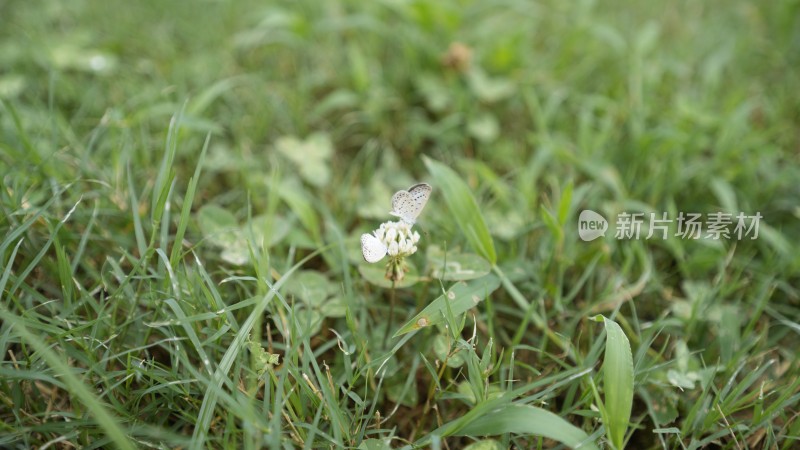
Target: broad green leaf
[(11, 85), (66, 56), (462, 296), (506, 224), (463, 208), (454, 265), (486, 444), (376, 274), (434, 91), (268, 230), (217, 224), (300, 203), (310, 286), (464, 388), (617, 381), (528, 420), (263, 359), (333, 307), (397, 393), (442, 349), (484, 127), (307, 321), (375, 444), (237, 250), (310, 156), (375, 200), (489, 89), (219, 227)]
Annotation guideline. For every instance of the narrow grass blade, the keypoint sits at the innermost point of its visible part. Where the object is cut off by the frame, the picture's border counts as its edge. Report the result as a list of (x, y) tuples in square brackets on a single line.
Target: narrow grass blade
[(528, 420), (461, 297), (464, 208), (237, 346), (186, 208), (617, 382), (104, 417)]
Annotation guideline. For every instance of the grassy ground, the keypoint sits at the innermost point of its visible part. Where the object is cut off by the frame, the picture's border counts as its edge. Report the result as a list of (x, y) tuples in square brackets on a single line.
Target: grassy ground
[(185, 186)]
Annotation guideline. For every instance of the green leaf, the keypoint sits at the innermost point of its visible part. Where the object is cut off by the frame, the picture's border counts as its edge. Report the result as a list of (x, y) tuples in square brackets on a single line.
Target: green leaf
[(333, 307), (434, 91), (463, 208), (375, 444), (310, 286), (486, 444), (397, 393), (376, 274), (216, 224), (310, 156), (441, 347), (307, 321), (268, 230), (79, 390), (617, 381), (464, 388), (484, 127), (263, 359), (220, 228), (300, 203), (462, 296), (528, 420), (564, 204), (459, 266), (489, 89)]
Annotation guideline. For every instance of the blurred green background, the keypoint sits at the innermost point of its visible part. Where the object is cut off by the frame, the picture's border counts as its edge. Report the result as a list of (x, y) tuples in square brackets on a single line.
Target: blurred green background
[(313, 114)]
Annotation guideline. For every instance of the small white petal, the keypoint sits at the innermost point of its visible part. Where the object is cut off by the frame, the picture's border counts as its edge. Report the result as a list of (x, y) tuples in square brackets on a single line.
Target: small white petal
[(393, 250)]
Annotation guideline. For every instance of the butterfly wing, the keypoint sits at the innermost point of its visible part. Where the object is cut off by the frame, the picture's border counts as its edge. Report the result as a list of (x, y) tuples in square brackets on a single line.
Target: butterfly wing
[(372, 248), (408, 204)]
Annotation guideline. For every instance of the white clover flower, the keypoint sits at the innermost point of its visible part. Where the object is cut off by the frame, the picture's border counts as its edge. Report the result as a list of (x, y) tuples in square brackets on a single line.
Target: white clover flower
[(395, 239), (399, 239)]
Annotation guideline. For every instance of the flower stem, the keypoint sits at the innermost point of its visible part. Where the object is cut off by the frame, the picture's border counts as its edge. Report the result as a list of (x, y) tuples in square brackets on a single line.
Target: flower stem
[(391, 314)]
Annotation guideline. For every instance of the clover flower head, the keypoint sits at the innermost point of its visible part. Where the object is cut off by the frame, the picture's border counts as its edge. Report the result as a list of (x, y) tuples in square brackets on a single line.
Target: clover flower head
[(396, 239)]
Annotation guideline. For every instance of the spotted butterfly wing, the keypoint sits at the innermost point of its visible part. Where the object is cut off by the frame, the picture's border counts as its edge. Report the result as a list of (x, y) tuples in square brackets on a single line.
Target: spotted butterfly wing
[(408, 204), (372, 248)]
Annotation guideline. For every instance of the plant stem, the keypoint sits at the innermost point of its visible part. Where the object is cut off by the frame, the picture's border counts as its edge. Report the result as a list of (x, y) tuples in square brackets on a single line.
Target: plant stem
[(391, 314)]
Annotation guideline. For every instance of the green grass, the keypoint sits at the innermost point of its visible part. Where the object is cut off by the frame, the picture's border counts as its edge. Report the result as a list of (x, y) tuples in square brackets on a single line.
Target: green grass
[(184, 187)]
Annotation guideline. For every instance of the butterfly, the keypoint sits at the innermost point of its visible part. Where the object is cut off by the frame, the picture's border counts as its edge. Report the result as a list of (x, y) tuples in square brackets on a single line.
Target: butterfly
[(372, 248), (408, 204)]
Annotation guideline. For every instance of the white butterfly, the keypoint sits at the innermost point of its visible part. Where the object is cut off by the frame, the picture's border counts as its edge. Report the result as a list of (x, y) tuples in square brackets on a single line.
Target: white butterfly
[(408, 204), (372, 248)]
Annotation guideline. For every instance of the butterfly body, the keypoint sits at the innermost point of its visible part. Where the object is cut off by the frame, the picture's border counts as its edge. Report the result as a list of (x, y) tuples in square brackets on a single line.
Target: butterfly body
[(395, 238), (408, 204)]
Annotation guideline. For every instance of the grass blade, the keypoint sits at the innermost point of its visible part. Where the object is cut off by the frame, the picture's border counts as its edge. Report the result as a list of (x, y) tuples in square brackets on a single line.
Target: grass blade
[(237, 346), (461, 297), (618, 382), (464, 208), (528, 420), (104, 417)]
